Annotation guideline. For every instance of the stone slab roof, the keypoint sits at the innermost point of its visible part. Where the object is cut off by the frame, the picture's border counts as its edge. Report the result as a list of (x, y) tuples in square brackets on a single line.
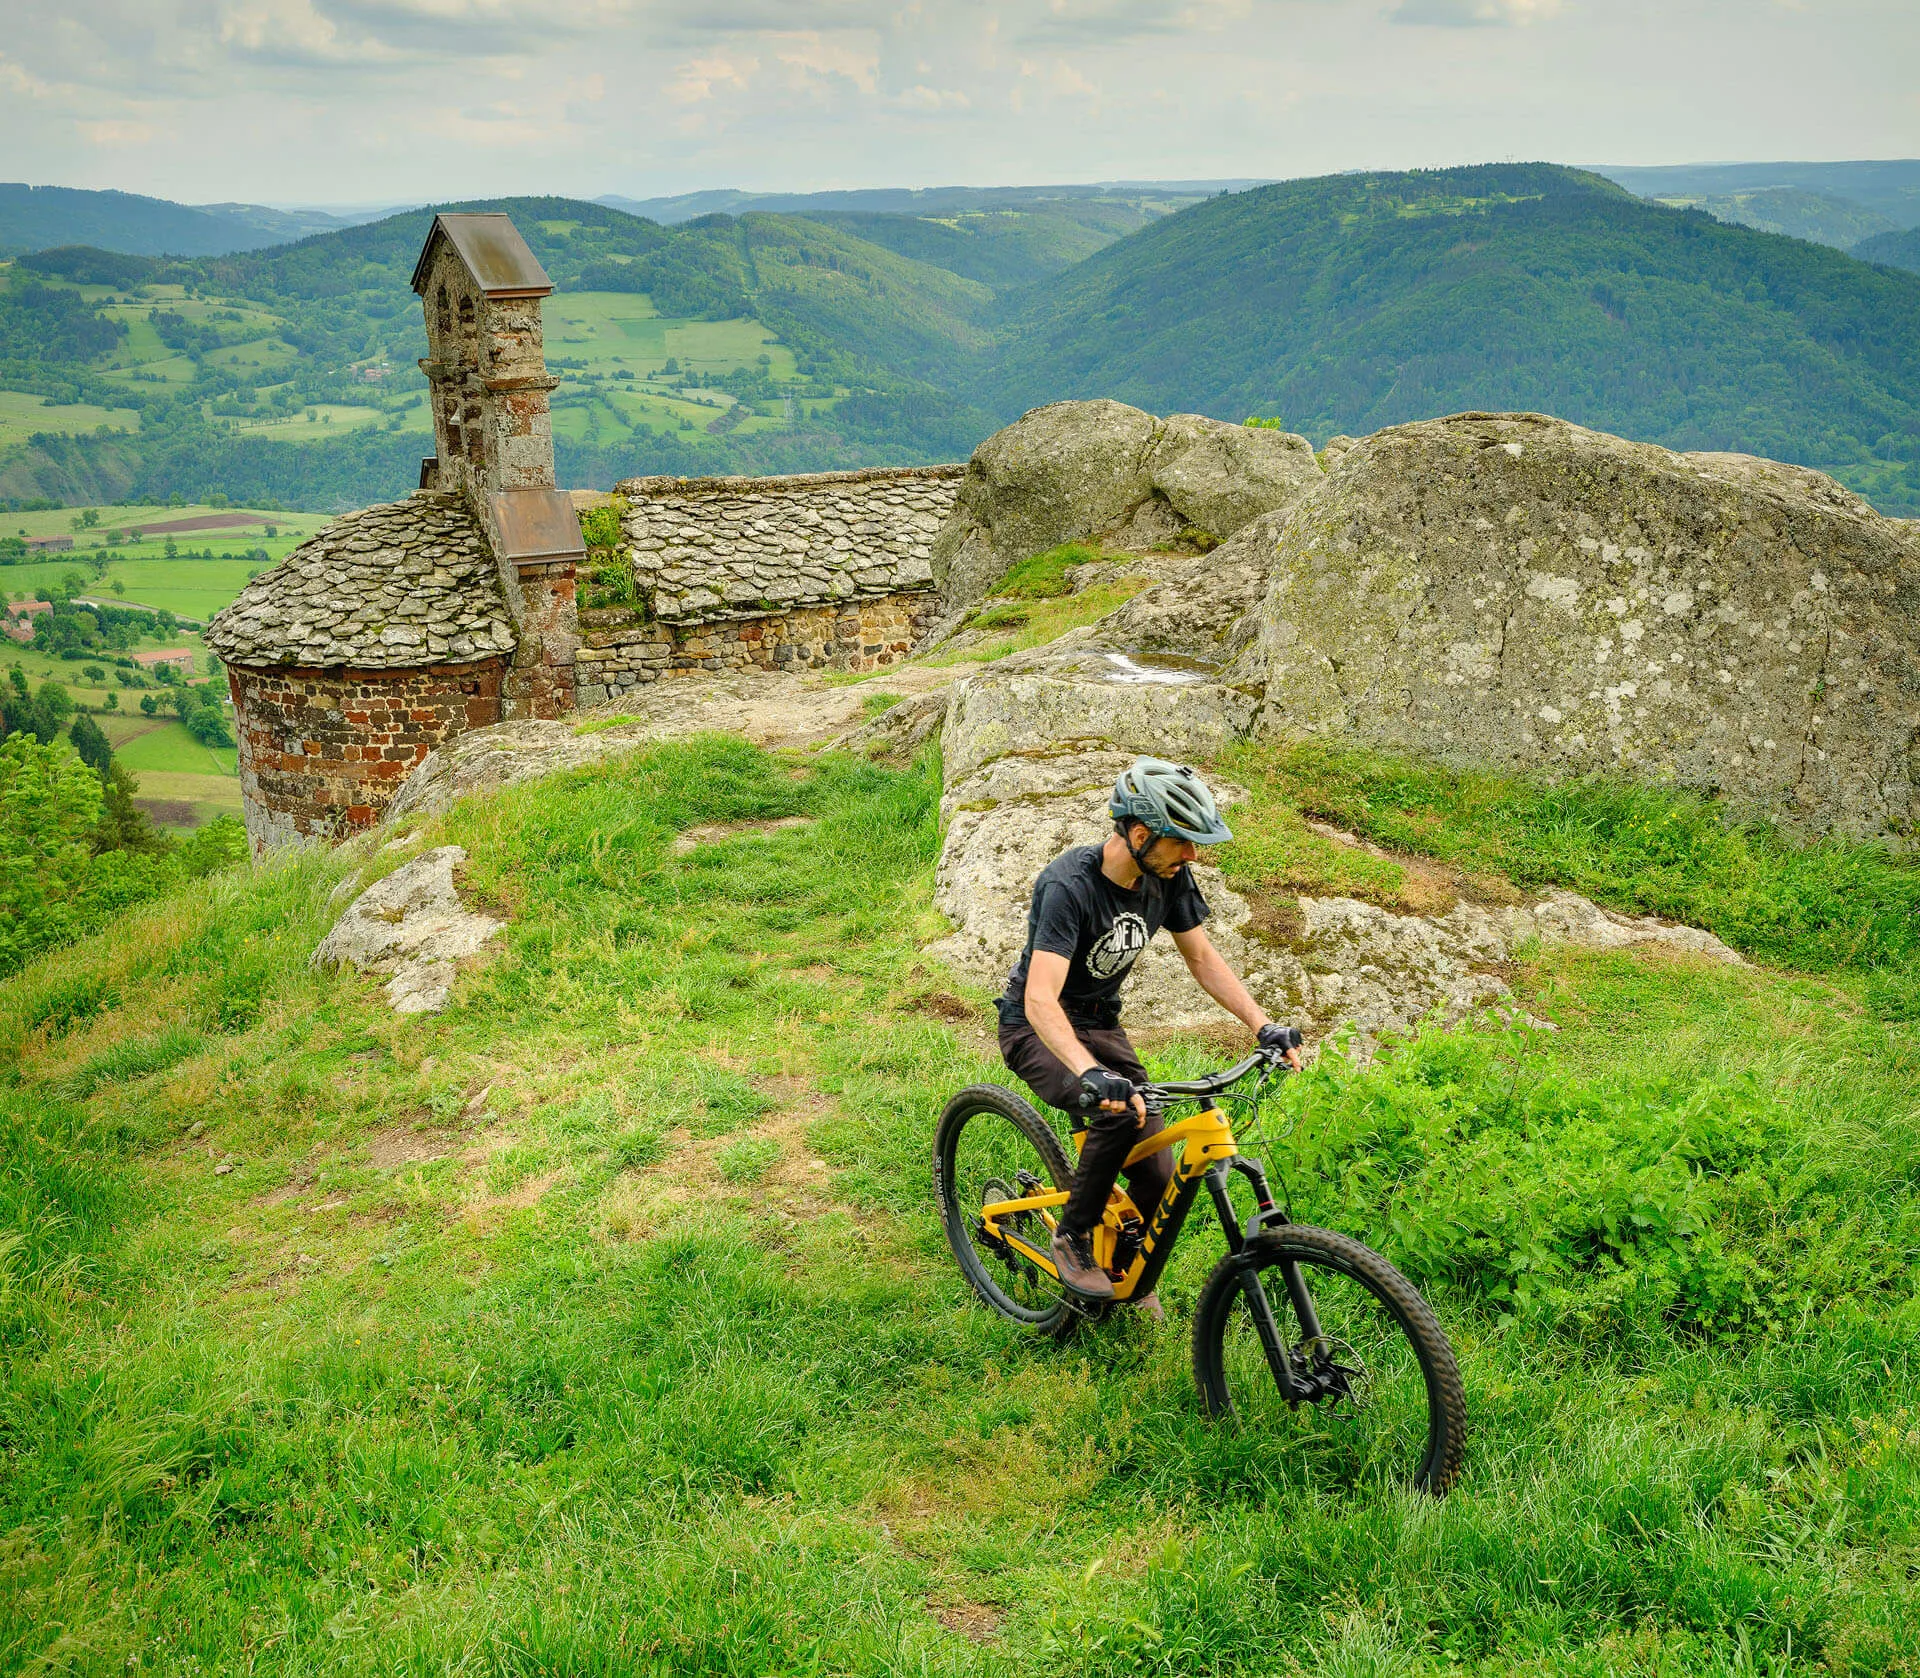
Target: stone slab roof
[(706, 550), (392, 587)]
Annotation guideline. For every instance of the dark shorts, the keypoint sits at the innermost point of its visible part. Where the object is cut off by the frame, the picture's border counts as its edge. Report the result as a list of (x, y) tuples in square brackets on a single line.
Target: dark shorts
[(1110, 1136), (1046, 1074)]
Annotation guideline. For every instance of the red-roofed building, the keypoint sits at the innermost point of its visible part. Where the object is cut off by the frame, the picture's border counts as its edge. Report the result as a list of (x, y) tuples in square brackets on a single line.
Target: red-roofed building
[(180, 657)]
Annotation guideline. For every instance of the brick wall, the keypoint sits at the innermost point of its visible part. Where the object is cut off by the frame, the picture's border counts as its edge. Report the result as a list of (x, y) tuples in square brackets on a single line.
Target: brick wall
[(323, 752), (620, 651)]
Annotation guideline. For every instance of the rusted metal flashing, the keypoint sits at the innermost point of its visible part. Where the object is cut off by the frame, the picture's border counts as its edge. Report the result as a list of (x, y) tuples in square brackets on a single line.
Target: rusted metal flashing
[(495, 254)]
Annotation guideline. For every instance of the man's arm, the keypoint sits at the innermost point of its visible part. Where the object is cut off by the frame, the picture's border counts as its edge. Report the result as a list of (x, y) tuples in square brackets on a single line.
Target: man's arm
[(1046, 973), (1210, 970)]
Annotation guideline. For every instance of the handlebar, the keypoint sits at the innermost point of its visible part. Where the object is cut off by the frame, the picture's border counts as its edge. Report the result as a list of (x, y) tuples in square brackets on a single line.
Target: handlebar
[(1215, 1082)]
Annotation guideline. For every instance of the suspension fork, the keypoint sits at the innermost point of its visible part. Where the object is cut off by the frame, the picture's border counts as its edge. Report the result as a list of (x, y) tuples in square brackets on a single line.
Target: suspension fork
[(1259, 1307)]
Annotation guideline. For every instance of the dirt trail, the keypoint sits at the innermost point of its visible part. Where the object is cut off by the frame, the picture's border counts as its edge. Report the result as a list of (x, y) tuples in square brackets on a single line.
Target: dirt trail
[(770, 709)]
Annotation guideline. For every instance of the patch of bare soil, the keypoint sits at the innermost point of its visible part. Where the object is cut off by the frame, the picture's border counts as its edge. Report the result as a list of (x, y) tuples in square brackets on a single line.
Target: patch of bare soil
[(978, 1622), (404, 1145), (771, 708), (714, 832), (1431, 887), (944, 1005)]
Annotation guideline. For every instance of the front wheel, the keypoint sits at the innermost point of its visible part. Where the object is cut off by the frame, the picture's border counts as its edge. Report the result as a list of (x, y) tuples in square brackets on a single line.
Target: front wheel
[(1376, 1391)]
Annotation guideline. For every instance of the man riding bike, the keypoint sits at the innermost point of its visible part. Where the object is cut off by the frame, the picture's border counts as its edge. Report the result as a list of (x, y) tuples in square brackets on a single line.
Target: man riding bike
[(1095, 908)]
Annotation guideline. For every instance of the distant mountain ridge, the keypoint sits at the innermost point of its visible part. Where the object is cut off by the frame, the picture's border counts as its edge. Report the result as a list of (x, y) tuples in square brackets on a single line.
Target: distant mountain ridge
[(35, 218), (911, 201), (1340, 304), (1358, 301), (1888, 186)]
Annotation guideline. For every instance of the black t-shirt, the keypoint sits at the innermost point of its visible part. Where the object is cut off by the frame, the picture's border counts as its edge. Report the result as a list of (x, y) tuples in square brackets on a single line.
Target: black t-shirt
[(1100, 928)]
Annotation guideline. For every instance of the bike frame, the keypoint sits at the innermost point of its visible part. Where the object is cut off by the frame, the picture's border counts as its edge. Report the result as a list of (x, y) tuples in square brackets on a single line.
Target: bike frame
[(1209, 1154)]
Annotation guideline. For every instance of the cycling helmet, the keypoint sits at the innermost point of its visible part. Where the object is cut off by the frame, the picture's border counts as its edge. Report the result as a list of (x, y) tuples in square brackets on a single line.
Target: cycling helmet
[(1169, 798)]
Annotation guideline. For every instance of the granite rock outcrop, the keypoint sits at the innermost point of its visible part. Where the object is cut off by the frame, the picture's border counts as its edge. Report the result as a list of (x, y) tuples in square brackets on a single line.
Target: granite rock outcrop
[(1077, 470), (1511, 591)]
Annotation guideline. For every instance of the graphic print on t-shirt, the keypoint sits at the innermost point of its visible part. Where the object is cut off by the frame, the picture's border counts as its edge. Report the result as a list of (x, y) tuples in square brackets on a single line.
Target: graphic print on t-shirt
[(1117, 948)]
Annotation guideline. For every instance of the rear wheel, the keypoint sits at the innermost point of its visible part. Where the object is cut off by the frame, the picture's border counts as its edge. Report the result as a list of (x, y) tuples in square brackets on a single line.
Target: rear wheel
[(992, 1146), (1385, 1399)]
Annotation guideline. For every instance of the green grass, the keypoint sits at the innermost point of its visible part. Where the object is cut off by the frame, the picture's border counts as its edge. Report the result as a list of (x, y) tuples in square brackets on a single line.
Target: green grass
[(21, 415), (169, 748), (613, 330), (1033, 623), (1827, 907), (499, 1349), (1044, 575)]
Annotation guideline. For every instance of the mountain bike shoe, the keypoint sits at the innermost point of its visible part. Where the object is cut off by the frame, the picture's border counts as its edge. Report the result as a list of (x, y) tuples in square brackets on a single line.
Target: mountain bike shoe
[(1078, 1273)]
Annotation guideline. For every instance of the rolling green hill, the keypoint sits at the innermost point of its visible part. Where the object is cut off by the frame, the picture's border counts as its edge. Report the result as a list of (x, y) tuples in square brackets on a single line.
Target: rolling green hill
[(777, 342), (286, 375), (39, 217), (1358, 301), (1896, 250)]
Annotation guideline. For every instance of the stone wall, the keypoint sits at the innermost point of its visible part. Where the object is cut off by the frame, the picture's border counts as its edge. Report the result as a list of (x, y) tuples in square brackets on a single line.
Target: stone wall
[(620, 651), (322, 752), (709, 550)]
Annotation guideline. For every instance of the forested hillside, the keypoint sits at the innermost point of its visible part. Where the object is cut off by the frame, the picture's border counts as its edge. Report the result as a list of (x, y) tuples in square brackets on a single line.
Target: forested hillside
[(776, 342), (1354, 302)]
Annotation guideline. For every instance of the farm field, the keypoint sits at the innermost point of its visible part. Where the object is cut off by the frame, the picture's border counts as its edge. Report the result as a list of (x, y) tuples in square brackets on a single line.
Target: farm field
[(163, 744), (606, 331), (179, 800), (42, 667), (23, 414), (190, 588), (249, 530), (328, 419)]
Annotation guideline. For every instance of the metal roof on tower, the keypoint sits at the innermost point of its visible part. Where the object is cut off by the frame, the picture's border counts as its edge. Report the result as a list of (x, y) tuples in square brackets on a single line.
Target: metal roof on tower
[(493, 250)]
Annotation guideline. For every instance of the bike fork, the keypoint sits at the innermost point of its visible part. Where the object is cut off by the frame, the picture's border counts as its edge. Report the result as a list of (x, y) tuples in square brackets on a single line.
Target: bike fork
[(1259, 1307)]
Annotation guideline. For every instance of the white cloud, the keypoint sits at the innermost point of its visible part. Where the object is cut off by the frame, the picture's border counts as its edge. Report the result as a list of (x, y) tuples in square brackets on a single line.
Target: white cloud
[(813, 56), (1472, 14), (701, 79), (920, 97), (337, 101), (115, 132)]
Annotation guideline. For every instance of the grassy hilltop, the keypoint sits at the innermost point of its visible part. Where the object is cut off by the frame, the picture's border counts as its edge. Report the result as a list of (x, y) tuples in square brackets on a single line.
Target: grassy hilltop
[(603, 1324), (775, 341)]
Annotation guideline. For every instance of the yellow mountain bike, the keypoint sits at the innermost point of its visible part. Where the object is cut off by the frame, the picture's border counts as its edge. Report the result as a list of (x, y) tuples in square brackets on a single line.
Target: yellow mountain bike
[(1297, 1328)]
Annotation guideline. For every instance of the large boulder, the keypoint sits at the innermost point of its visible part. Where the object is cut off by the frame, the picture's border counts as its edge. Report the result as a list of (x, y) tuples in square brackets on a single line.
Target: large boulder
[(1509, 590), (1066, 698), (1031, 747), (1075, 470)]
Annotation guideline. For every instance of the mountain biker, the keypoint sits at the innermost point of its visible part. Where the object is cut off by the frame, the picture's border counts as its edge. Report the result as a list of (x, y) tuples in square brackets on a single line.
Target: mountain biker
[(1095, 908)]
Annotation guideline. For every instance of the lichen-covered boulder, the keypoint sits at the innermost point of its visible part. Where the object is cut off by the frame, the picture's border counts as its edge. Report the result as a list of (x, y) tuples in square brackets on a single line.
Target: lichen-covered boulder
[(413, 927), (1512, 591), (1203, 608), (1077, 470), (1220, 477), (1072, 696)]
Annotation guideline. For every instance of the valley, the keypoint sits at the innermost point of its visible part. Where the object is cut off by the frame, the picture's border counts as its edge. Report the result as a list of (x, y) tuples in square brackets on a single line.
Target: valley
[(852, 330)]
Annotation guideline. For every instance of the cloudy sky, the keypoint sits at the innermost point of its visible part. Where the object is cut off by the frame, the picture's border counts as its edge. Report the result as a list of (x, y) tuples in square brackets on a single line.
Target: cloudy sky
[(380, 101)]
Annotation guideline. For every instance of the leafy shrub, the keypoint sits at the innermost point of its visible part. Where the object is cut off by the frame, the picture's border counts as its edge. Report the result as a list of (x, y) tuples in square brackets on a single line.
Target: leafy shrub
[(1591, 1203)]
